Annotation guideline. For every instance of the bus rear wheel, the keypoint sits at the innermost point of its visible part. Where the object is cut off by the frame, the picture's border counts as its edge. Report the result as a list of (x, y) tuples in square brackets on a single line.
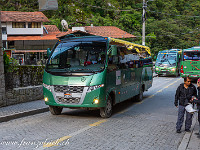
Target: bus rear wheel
[(139, 97), (55, 110), (106, 111)]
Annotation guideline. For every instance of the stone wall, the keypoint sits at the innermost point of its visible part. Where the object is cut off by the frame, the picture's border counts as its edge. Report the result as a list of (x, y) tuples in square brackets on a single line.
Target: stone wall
[(23, 84), (23, 76), (23, 94)]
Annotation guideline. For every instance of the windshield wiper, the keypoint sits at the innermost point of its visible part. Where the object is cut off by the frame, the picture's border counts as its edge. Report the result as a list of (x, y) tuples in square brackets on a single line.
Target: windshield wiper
[(84, 69), (169, 62)]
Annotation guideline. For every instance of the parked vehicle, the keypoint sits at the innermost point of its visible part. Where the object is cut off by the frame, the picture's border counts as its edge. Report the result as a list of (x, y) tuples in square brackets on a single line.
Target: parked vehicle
[(168, 62), (95, 73), (190, 62)]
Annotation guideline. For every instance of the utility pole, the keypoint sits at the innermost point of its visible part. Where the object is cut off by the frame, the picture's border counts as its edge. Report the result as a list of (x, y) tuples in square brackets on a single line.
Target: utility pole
[(143, 22), (2, 79)]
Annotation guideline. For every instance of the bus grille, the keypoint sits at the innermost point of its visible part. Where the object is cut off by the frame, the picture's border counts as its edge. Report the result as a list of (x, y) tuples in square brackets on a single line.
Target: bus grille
[(72, 100), (68, 89)]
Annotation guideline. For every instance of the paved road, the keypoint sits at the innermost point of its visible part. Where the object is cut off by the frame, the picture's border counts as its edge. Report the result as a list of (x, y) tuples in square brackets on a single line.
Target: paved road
[(147, 125)]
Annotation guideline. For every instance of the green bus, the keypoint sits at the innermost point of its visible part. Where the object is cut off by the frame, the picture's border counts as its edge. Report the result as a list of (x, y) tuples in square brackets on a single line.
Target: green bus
[(94, 72), (190, 62), (168, 62)]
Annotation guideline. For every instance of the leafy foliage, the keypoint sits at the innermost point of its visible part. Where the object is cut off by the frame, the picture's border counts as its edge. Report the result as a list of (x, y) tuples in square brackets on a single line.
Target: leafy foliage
[(169, 24), (10, 64), (6, 62)]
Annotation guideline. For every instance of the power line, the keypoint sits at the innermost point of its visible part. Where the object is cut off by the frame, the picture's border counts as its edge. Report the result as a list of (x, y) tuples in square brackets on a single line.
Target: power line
[(191, 32), (114, 9), (173, 14)]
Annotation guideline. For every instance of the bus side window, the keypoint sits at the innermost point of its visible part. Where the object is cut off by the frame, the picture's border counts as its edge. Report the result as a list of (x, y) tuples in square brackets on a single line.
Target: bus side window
[(122, 58)]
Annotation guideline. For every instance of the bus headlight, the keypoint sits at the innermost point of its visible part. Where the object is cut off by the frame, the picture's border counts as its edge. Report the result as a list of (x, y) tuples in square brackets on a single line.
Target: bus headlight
[(91, 88), (157, 69), (173, 69), (47, 86), (45, 99), (95, 101)]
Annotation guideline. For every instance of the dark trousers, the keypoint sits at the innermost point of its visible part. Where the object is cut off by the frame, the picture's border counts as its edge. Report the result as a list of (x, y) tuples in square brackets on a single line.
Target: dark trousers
[(188, 121)]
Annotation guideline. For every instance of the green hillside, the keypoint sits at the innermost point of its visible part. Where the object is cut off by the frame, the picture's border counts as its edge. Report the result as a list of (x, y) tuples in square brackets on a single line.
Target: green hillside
[(169, 23)]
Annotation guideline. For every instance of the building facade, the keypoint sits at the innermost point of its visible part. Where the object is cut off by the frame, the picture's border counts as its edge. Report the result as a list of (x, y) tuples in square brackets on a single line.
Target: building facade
[(25, 37)]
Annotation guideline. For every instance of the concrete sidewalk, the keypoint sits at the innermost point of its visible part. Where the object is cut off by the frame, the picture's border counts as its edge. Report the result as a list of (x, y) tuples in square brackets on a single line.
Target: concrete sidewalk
[(194, 141), (21, 110), (190, 140)]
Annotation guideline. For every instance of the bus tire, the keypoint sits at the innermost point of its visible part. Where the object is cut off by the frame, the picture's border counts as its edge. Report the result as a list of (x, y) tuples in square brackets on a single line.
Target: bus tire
[(106, 112), (139, 97), (55, 110)]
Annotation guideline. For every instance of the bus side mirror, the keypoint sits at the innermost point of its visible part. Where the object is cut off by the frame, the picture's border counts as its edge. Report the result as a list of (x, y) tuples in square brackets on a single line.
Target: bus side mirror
[(48, 52)]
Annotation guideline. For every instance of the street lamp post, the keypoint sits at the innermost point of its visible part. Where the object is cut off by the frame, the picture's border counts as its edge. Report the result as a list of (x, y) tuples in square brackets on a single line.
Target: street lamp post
[(2, 79)]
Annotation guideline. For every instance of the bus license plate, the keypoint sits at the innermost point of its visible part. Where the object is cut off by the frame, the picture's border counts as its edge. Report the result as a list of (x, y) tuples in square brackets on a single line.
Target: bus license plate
[(67, 95), (194, 75)]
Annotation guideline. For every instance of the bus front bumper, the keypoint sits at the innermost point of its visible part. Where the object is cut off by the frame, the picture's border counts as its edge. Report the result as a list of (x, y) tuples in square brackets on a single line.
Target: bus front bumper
[(190, 75), (88, 100), (165, 72)]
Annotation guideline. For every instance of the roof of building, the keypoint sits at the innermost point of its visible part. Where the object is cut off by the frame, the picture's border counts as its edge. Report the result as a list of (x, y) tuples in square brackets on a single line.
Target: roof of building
[(49, 34), (105, 31), (32, 37), (52, 28), (17, 16)]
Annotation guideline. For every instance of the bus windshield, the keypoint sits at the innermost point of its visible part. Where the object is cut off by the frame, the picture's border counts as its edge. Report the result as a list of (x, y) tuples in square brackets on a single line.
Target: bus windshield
[(191, 56), (166, 59), (77, 56)]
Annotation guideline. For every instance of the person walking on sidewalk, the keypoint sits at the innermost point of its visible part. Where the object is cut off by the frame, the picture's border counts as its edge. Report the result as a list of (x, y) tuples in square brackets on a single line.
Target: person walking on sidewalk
[(183, 96), (197, 101)]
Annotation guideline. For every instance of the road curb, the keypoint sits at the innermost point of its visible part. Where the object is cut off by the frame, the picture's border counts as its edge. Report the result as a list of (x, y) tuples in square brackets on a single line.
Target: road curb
[(186, 139), (23, 114)]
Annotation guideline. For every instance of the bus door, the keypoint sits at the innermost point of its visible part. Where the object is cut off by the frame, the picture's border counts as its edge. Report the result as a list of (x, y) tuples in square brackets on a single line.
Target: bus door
[(178, 61), (147, 72), (113, 77), (130, 73)]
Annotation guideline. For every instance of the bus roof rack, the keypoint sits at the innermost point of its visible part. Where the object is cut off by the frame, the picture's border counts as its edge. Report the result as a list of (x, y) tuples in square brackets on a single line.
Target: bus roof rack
[(175, 49), (171, 50), (130, 45), (193, 48)]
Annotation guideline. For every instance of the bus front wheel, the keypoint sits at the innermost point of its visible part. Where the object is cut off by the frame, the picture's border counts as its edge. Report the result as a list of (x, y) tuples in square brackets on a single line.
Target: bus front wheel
[(55, 110), (106, 111)]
